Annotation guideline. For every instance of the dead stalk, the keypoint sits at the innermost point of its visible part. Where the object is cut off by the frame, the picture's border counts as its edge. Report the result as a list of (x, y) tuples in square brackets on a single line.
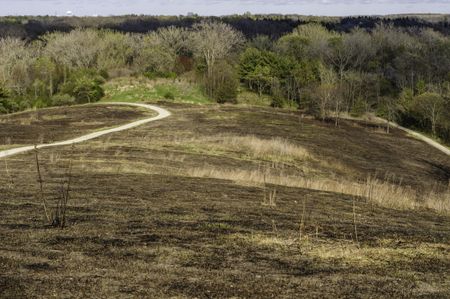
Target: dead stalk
[(11, 180), (302, 220), (41, 187), (354, 222), (67, 194), (59, 218)]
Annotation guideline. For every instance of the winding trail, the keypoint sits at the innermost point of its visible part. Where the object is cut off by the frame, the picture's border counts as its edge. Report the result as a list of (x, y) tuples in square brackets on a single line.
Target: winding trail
[(417, 135), (162, 113)]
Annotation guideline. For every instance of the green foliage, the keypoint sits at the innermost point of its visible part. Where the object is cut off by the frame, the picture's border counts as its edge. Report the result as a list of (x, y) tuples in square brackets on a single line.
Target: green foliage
[(421, 87), (358, 108), (261, 42), (278, 102), (85, 86), (367, 67), (248, 97), (63, 100), (169, 95), (7, 105), (153, 75), (4, 93), (227, 91), (281, 76), (225, 84), (130, 89)]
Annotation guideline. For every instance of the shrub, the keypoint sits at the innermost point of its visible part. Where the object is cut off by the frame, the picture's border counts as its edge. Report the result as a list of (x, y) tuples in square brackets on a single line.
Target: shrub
[(152, 75), (278, 102), (227, 91), (358, 108), (84, 86), (168, 95), (7, 104), (224, 84), (62, 100)]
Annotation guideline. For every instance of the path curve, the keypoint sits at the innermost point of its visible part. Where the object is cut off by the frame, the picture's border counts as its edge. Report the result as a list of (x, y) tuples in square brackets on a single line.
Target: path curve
[(417, 135), (162, 113)]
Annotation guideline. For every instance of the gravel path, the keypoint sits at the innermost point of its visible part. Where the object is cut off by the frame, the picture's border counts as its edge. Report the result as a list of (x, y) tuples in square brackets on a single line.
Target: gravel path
[(162, 113)]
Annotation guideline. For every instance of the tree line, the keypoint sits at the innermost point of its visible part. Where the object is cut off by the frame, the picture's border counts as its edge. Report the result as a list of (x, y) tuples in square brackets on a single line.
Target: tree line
[(402, 74), (31, 28)]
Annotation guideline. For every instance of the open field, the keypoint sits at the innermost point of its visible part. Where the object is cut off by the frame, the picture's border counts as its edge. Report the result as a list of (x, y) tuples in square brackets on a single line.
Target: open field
[(56, 124), (226, 201)]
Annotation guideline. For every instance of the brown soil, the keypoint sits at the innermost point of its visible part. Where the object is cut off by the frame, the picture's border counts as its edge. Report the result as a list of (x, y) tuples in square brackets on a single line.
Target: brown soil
[(58, 124), (140, 227)]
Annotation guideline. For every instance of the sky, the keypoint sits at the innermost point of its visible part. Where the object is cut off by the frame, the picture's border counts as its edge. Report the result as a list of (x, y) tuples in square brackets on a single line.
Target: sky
[(222, 7)]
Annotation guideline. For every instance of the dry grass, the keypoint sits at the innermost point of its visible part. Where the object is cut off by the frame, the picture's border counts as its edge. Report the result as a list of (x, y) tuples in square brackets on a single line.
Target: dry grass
[(142, 224), (249, 146), (382, 254), (274, 149), (380, 192)]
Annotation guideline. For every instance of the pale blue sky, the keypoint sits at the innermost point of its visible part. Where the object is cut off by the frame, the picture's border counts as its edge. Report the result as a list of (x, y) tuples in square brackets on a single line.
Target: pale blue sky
[(222, 7)]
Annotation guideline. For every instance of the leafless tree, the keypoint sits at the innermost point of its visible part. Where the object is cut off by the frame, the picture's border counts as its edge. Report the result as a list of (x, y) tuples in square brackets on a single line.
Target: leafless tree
[(15, 63), (432, 106), (77, 49), (173, 38), (211, 42), (325, 94)]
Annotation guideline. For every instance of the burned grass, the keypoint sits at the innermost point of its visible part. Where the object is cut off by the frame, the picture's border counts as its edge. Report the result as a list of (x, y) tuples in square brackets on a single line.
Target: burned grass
[(57, 124), (140, 224)]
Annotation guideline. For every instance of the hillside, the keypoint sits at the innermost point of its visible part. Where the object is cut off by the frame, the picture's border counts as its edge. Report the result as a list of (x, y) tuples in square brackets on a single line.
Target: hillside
[(222, 201)]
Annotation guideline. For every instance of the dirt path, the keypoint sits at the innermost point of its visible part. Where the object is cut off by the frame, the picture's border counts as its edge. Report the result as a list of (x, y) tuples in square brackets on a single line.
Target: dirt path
[(417, 135), (162, 113)]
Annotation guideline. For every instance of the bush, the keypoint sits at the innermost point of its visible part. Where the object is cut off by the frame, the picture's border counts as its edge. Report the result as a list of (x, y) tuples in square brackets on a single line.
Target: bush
[(62, 100), (168, 95), (152, 75), (278, 102), (7, 105), (278, 99), (227, 91), (84, 86), (41, 103), (358, 108), (223, 85)]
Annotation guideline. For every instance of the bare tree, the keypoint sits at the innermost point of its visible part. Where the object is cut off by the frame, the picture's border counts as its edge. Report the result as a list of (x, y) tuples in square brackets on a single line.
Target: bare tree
[(325, 95), (173, 38), (15, 63), (151, 55), (77, 49), (391, 107), (432, 106), (317, 38), (211, 42), (115, 50), (350, 51)]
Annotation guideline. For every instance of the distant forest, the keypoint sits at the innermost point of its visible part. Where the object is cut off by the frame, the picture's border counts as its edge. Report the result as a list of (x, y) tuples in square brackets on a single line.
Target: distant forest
[(397, 67), (275, 26)]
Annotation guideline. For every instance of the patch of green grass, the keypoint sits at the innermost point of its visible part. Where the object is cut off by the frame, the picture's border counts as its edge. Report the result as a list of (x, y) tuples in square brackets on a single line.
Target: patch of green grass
[(247, 97), (142, 89)]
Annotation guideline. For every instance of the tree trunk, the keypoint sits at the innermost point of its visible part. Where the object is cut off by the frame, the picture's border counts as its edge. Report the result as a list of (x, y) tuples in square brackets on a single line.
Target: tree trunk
[(51, 85), (336, 123)]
